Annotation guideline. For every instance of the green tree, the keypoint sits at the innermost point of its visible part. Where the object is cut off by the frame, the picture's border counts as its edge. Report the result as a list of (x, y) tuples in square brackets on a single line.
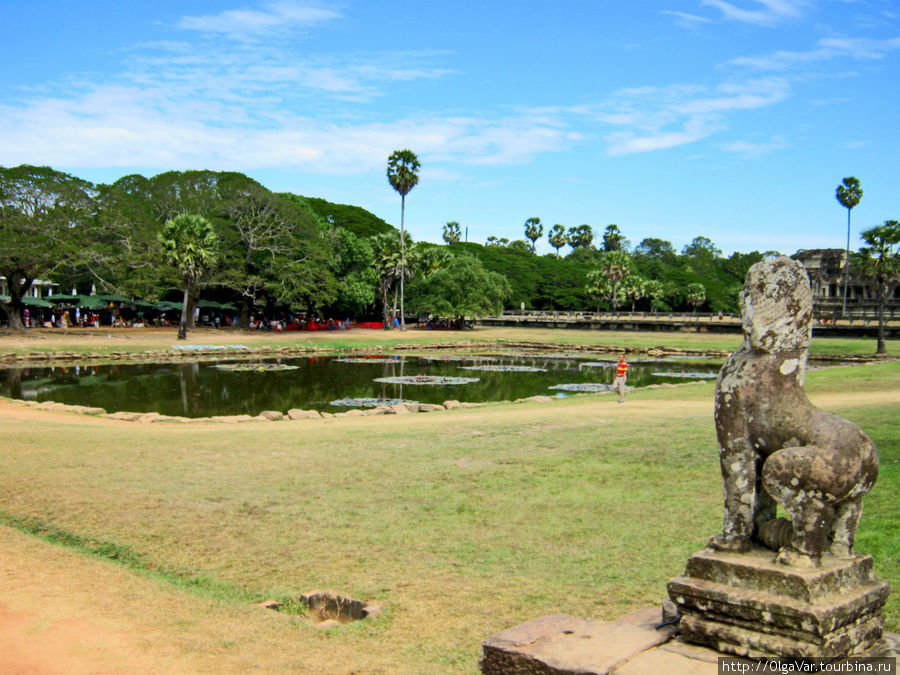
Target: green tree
[(402, 174), (848, 193), (613, 239), (557, 237), (274, 250), (452, 232), (696, 294), (606, 282), (353, 267), (494, 241), (634, 286), (879, 263), (189, 244), (581, 236), (390, 267), (462, 289), (655, 290), (653, 247), (46, 220), (701, 247), (533, 231), (355, 219)]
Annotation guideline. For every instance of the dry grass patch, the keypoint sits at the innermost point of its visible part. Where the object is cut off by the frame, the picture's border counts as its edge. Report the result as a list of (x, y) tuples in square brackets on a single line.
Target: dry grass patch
[(461, 523)]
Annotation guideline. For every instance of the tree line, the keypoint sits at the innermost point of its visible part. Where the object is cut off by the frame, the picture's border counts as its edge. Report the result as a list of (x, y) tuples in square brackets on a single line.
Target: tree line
[(226, 236)]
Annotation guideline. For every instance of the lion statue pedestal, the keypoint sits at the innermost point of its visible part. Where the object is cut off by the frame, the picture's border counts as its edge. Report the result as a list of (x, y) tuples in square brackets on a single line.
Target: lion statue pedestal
[(783, 587)]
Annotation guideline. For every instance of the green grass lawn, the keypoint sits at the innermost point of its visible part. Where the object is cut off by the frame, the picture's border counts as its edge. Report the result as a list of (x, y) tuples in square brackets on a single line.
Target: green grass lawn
[(463, 523)]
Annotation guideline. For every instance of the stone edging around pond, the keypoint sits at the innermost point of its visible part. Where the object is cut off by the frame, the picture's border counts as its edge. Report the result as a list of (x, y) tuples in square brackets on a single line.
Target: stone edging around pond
[(297, 413), (217, 352)]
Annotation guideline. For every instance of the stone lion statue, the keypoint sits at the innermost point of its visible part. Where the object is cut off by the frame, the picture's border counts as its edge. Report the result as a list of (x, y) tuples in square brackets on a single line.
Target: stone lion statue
[(775, 446)]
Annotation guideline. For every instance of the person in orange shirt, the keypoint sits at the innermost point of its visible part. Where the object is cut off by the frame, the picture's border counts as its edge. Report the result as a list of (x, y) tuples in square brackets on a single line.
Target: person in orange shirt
[(621, 376)]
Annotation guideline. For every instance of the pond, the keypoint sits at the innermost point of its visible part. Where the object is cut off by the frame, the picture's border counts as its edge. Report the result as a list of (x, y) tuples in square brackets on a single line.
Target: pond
[(204, 388)]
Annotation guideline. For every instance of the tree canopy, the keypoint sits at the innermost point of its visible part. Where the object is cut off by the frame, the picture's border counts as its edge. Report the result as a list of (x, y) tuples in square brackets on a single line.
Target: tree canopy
[(47, 221)]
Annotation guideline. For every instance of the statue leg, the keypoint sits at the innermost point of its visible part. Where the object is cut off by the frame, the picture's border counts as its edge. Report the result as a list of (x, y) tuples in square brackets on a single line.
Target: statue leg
[(843, 529), (791, 477), (740, 476)]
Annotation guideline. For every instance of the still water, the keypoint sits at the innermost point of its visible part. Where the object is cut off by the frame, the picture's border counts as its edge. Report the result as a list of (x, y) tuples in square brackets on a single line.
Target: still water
[(333, 383)]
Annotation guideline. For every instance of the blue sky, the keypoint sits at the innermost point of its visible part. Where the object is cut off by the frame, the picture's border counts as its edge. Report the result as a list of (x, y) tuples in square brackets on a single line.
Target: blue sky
[(733, 120)]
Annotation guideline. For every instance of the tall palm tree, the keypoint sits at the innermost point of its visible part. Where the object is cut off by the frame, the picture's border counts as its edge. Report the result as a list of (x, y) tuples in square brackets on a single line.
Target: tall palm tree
[(189, 244), (848, 193), (880, 263), (452, 232), (557, 237), (533, 231), (402, 174), (606, 281)]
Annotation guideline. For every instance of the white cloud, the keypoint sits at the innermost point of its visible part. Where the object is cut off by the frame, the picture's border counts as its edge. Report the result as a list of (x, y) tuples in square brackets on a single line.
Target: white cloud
[(749, 149), (771, 12), (860, 49), (275, 18), (687, 20), (657, 118)]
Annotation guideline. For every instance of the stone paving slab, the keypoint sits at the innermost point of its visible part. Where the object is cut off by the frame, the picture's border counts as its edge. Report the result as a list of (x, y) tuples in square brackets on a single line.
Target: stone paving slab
[(630, 645), (566, 644)]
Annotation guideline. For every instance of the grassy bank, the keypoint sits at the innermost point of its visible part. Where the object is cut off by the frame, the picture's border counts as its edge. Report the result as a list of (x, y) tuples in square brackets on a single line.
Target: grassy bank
[(138, 340), (463, 523)]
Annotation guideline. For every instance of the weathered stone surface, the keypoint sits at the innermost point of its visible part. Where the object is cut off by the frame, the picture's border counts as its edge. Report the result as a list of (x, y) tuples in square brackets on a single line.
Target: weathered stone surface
[(232, 419), (756, 570), (536, 399), (748, 604), (775, 446), (815, 599), (661, 661), (430, 407), (87, 410), (378, 410), (355, 412), (401, 409), (566, 644), (272, 415), (124, 415), (451, 404), (297, 414)]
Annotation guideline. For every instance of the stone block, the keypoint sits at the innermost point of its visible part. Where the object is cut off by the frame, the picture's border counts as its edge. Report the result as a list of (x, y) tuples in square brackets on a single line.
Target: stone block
[(561, 644), (271, 415), (748, 605), (297, 414)]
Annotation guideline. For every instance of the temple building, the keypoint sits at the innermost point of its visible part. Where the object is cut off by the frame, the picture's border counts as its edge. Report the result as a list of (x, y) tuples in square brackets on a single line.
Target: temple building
[(825, 267)]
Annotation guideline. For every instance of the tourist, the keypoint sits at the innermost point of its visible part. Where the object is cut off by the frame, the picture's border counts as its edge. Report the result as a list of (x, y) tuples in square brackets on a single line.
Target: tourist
[(621, 376)]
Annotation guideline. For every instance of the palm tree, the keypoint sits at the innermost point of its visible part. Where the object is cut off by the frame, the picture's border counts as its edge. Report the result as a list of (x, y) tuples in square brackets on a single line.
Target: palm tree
[(402, 174), (581, 236), (848, 193), (557, 237), (880, 262), (189, 244), (533, 231), (606, 281), (452, 233), (696, 294), (635, 288)]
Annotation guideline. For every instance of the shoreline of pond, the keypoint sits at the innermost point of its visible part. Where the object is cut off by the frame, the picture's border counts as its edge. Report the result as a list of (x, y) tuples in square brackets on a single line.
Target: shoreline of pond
[(194, 352), (296, 414)]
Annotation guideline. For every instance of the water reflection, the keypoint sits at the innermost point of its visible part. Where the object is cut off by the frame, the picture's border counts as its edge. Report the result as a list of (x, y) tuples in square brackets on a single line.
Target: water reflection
[(233, 387)]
